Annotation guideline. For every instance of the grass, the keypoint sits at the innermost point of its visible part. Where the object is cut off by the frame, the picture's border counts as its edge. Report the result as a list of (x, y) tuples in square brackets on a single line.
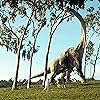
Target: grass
[(73, 91)]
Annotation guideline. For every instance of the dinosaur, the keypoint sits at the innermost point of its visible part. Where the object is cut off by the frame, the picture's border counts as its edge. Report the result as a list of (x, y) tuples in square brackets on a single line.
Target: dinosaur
[(66, 60), (79, 49)]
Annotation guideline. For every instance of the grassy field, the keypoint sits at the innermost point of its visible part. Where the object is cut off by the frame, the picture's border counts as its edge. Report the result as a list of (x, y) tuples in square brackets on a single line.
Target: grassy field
[(73, 91)]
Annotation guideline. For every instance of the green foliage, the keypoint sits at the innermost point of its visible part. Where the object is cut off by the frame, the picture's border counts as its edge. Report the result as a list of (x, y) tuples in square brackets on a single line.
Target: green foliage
[(60, 3), (89, 51), (11, 32), (74, 91), (7, 40), (26, 53), (92, 19)]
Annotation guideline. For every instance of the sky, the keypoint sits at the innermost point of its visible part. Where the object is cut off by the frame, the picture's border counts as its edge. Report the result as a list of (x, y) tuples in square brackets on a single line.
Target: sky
[(67, 35)]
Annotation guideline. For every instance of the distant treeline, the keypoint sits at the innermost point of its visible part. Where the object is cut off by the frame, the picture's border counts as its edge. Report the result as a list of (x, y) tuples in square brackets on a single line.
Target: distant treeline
[(4, 83)]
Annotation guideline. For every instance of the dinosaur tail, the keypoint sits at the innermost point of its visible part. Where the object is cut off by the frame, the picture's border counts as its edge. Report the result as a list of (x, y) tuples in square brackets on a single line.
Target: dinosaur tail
[(41, 74)]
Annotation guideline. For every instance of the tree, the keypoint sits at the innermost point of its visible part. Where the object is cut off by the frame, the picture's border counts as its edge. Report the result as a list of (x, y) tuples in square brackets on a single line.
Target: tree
[(16, 37), (88, 54), (95, 61), (33, 51), (93, 26), (18, 54)]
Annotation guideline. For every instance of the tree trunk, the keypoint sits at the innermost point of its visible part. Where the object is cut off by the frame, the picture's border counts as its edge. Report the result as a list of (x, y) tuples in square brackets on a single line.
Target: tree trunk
[(29, 79), (14, 86), (85, 69), (45, 70), (48, 49), (94, 65), (46, 64)]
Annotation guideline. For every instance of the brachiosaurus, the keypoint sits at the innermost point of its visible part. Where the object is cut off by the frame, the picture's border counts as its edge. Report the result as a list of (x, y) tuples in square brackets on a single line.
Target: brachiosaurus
[(79, 49), (66, 60)]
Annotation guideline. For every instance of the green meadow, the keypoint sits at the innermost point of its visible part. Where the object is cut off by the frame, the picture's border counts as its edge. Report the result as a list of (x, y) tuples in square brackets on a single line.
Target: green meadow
[(73, 91)]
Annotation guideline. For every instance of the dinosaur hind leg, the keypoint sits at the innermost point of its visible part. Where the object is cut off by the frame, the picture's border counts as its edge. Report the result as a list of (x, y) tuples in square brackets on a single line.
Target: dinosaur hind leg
[(52, 78)]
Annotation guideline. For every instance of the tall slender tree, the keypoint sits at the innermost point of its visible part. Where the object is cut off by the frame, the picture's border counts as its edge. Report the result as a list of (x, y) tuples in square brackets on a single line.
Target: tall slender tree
[(93, 26)]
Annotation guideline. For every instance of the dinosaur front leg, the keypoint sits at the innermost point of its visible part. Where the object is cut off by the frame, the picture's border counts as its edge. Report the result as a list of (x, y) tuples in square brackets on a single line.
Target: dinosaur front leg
[(61, 79), (54, 73), (80, 73), (68, 71), (78, 64), (83, 80)]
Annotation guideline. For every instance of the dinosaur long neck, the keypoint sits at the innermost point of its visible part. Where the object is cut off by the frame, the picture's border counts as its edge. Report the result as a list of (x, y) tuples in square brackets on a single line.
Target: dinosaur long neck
[(81, 45), (82, 41)]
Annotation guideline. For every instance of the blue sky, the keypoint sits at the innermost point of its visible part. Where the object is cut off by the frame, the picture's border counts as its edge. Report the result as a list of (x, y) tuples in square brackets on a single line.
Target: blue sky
[(67, 35)]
